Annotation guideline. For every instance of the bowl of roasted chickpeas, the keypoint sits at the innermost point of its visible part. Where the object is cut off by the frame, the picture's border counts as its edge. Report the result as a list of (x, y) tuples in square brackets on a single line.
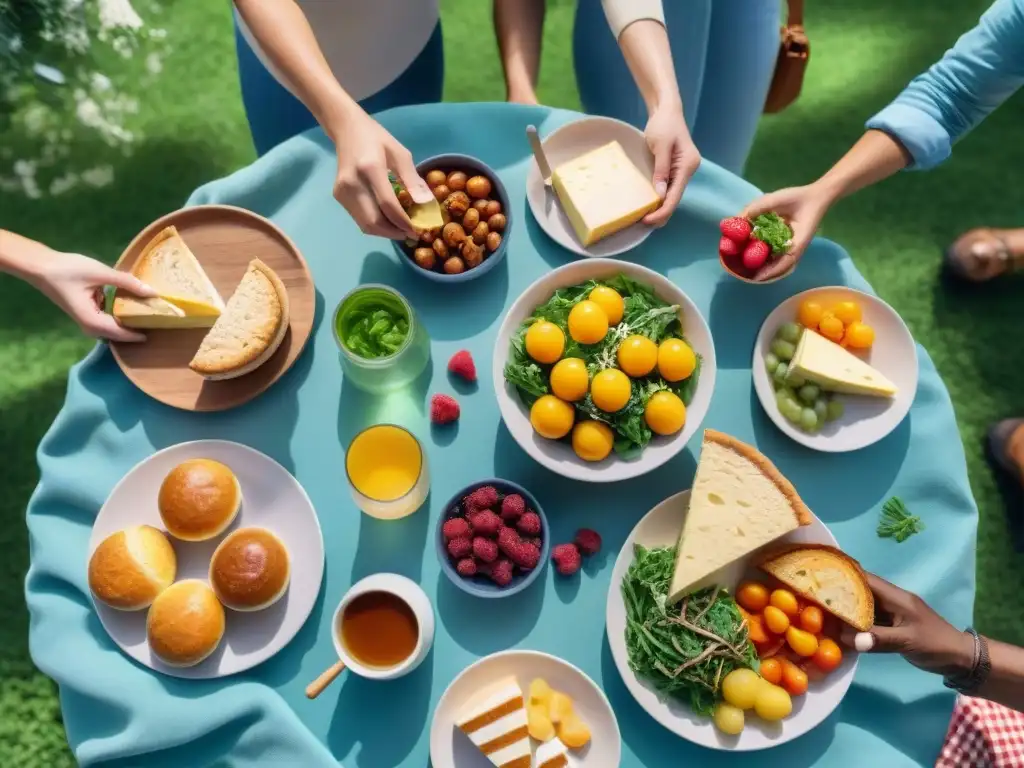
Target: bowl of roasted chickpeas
[(474, 206)]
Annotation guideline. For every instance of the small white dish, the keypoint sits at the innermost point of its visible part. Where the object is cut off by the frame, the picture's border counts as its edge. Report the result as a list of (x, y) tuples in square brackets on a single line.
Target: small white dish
[(557, 455), (272, 499), (865, 420), (660, 528), (412, 595), (451, 748), (572, 140)]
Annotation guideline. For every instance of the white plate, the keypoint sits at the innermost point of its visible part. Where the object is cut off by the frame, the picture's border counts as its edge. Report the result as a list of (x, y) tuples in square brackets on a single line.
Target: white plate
[(557, 455), (570, 141), (271, 498), (450, 748), (660, 528), (865, 420)]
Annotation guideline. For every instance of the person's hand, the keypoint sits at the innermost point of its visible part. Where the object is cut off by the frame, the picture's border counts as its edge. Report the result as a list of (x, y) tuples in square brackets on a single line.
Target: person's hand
[(676, 159), (905, 624), (803, 208), (75, 284), (366, 152)]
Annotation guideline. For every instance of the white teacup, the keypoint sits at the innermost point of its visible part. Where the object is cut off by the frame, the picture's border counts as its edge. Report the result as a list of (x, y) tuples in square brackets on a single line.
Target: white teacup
[(412, 595)]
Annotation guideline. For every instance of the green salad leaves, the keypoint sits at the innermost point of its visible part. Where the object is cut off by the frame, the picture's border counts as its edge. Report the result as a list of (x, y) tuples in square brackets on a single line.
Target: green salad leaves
[(644, 314), (770, 228), (685, 650), (374, 332), (896, 522)]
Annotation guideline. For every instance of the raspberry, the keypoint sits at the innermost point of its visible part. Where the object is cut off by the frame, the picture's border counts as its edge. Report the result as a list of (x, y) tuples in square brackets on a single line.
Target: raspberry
[(484, 497), (512, 506), (756, 254), (466, 567), (736, 228), (485, 549), (588, 542), (537, 541), (444, 409), (462, 365), (455, 528), (501, 573), (508, 540), (567, 559), (729, 248), (485, 523), (526, 556), (460, 547), (529, 524)]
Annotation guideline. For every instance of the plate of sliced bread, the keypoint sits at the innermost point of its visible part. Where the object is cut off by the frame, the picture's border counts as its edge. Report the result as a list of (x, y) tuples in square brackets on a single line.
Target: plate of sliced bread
[(234, 309), (726, 604)]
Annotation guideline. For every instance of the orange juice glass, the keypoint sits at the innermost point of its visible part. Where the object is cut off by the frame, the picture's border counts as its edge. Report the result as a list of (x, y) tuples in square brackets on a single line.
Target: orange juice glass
[(387, 471)]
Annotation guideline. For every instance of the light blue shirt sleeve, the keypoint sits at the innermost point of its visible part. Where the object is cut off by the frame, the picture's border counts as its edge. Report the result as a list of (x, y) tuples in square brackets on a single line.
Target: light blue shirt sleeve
[(978, 74)]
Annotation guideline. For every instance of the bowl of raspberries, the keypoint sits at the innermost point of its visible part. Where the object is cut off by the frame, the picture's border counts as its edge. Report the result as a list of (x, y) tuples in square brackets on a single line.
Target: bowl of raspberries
[(493, 539), (747, 245)]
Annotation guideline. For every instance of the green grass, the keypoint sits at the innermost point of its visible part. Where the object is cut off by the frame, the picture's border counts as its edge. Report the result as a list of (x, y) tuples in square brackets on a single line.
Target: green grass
[(194, 128)]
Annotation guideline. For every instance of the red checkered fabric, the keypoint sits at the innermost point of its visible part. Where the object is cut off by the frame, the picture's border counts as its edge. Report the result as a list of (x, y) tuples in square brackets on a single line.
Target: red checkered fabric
[(983, 734)]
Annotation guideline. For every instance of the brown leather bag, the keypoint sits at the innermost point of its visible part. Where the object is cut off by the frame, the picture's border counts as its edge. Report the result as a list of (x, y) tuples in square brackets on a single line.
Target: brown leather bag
[(794, 51)]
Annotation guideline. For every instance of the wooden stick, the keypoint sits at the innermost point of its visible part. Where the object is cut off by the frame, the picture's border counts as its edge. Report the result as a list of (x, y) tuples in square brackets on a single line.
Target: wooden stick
[(317, 687)]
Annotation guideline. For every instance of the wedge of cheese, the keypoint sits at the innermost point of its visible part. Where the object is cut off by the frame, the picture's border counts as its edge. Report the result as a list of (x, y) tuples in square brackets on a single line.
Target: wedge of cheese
[(825, 363), (497, 724), (426, 216), (602, 192), (739, 502)]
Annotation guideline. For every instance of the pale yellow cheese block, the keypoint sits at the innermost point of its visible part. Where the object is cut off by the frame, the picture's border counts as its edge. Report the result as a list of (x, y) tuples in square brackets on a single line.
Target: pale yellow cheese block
[(602, 192), (426, 216), (825, 363)]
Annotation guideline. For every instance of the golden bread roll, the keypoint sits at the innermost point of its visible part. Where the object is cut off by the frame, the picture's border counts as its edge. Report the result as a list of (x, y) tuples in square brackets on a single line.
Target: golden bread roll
[(250, 569), (131, 567), (185, 623), (199, 499)]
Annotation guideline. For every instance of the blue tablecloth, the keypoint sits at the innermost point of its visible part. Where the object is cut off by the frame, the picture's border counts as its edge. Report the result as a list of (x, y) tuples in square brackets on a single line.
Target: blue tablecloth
[(118, 713)]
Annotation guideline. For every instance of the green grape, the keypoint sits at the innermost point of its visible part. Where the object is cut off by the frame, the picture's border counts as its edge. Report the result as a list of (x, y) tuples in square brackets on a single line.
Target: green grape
[(784, 393), (809, 393), (821, 409), (795, 380), (791, 410), (809, 419), (783, 349), (780, 373), (789, 332), (771, 362), (835, 410)]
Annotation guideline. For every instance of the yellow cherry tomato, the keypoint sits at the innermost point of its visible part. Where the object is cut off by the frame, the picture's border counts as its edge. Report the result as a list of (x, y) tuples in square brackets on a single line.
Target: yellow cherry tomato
[(794, 679), (569, 379), (610, 390), (551, 418), (847, 312), (544, 342), (752, 596), (786, 602), (811, 619), (592, 440), (801, 641), (610, 301), (773, 703), (828, 656), (771, 670), (588, 323), (665, 413), (729, 719), (859, 336), (776, 621), (676, 360), (810, 313), (831, 327), (740, 688), (637, 355)]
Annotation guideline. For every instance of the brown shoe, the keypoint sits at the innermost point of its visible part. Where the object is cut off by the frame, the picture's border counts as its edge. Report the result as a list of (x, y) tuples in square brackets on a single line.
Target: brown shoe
[(984, 253), (1006, 444)]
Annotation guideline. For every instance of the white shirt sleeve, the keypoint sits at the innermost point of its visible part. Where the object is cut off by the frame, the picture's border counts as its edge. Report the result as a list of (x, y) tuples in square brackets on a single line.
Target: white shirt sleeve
[(622, 13)]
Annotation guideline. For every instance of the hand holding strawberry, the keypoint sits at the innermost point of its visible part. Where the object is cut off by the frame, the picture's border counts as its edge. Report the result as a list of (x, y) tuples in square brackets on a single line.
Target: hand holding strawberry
[(802, 208), (748, 245)]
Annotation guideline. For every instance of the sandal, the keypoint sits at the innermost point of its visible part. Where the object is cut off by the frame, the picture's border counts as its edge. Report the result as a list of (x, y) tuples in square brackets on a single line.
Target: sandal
[(982, 254), (1000, 437)]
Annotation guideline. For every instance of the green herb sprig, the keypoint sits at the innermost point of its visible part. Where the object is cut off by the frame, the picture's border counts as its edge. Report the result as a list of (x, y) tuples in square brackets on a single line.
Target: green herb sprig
[(770, 228), (897, 522)]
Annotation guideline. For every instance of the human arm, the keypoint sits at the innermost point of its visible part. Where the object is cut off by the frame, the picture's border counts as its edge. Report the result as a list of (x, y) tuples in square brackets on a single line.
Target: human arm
[(72, 281), (519, 25)]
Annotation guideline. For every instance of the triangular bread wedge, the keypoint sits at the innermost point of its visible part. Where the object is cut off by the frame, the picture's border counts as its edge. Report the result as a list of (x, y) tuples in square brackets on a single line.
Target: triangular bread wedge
[(739, 503), (250, 329), (187, 298), (828, 577)]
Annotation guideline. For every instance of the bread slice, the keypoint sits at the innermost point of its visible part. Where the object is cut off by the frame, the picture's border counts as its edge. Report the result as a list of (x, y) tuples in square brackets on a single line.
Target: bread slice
[(187, 298), (250, 329), (828, 577), (739, 503)]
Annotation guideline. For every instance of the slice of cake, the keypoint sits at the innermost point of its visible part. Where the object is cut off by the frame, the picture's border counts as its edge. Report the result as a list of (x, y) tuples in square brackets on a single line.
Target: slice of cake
[(828, 577), (187, 298), (250, 329), (552, 754), (497, 725), (739, 502)]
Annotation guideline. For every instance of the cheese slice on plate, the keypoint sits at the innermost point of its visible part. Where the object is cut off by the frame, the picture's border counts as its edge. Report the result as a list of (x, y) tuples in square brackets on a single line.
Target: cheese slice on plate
[(825, 363), (497, 725), (552, 754), (602, 192), (739, 502)]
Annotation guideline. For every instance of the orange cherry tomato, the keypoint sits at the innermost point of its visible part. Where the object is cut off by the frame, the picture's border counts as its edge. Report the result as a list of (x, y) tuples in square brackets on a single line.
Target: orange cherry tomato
[(794, 679), (775, 620), (771, 670), (828, 656), (804, 643), (785, 601), (812, 619), (847, 312), (756, 629), (831, 327), (810, 313), (752, 596), (859, 335)]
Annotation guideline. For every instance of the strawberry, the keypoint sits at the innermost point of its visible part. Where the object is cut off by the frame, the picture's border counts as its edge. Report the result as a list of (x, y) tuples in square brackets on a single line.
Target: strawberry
[(736, 228), (730, 249), (756, 254), (444, 409), (462, 365)]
